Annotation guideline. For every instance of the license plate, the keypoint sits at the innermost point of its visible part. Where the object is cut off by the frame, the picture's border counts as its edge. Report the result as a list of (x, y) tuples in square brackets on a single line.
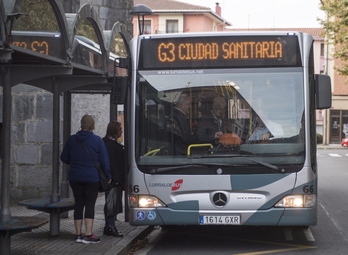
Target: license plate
[(219, 219)]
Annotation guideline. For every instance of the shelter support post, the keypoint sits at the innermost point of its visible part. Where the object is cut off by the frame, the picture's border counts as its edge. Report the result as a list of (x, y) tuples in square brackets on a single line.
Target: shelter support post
[(5, 242), (54, 214), (5, 216), (66, 133), (113, 111)]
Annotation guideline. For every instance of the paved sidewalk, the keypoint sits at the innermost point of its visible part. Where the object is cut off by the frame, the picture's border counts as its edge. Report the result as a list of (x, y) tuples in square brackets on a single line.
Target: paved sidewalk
[(39, 241), (330, 146)]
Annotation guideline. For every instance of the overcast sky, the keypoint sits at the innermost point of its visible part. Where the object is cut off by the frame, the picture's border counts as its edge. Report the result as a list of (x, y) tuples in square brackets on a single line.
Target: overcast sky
[(267, 13)]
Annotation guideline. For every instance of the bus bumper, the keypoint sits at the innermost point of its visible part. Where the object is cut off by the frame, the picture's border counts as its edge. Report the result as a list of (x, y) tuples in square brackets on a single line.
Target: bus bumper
[(271, 217)]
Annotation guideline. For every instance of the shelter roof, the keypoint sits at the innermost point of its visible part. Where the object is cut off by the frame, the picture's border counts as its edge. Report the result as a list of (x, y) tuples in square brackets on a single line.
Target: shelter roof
[(56, 43)]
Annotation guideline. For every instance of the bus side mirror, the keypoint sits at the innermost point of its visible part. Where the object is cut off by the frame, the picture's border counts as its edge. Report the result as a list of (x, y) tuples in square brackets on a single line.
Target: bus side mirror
[(322, 91), (118, 90)]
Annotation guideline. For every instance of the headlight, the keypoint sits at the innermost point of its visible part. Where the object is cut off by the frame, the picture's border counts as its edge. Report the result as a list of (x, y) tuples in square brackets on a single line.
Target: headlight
[(297, 201), (145, 201)]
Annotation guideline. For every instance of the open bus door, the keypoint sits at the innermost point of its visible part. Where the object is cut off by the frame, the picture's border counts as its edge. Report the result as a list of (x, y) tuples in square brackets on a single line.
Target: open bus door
[(119, 96)]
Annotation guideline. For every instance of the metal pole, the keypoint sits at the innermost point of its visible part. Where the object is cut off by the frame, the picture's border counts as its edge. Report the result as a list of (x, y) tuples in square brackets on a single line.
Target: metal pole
[(113, 111), (6, 145), (5, 243), (54, 215), (55, 150), (5, 215), (66, 133)]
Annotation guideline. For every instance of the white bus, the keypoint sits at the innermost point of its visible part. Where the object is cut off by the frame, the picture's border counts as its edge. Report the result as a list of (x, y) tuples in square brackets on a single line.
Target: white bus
[(193, 170)]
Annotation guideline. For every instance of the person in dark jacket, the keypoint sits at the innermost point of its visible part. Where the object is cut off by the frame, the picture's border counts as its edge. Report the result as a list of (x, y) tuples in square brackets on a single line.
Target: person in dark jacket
[(179, 124), (84, 177), (211, 126), (117, 165)]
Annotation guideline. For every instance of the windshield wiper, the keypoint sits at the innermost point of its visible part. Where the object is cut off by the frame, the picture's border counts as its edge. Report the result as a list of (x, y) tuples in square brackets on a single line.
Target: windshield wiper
[(170, 168), (274, 167)]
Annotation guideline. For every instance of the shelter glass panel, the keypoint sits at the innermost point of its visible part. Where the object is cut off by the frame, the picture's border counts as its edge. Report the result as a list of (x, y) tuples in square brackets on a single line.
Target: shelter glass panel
[(118, 49), (38, 15), (87, 51)]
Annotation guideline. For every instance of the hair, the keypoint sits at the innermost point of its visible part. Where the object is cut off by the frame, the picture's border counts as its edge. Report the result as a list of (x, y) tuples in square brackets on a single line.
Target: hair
[(182, 99), (219, 102), (87, 123), (113, 130)]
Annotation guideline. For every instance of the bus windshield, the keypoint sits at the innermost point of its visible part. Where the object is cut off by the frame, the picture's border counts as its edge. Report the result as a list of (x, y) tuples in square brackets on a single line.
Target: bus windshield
[(238, 121)]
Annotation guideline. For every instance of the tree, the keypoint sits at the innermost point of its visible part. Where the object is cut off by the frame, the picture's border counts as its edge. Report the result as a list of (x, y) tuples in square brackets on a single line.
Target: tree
[(336, 30), (39, 16)]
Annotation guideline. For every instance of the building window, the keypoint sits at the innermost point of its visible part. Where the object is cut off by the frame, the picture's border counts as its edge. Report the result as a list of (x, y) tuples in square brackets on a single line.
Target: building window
[(322, 49), (147, 27), (172, 26)]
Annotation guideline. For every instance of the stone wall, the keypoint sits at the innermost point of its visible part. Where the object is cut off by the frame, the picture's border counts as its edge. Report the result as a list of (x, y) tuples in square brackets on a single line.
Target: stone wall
[(112, 11), (31, 142)]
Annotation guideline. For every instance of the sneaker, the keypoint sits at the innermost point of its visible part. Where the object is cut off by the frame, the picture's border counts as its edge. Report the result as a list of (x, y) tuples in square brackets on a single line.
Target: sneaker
[(78, 238), (90, 239)]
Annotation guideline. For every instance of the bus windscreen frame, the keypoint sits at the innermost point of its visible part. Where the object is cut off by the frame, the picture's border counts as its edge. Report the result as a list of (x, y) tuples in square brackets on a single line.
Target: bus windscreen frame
[(234, 51)]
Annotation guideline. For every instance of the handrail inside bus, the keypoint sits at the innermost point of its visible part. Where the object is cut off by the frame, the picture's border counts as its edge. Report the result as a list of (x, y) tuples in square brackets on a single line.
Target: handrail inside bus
[(198, 145), (153, 152)]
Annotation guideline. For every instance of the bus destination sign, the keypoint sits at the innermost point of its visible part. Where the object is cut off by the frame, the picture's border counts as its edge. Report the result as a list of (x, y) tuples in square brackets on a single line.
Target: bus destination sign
[(42, 43), (219, 51)]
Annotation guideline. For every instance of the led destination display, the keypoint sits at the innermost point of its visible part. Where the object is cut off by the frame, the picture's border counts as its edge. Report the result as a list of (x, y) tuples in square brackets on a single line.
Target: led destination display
[(219, 51)]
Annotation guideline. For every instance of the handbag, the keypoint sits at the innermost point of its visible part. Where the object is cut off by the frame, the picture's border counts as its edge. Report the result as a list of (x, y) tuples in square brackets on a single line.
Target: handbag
[(103, 184)]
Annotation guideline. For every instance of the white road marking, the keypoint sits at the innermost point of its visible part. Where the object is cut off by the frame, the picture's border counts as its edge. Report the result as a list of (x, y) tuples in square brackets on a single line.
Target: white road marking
[(288, 234), (308, 234), (335, 155)]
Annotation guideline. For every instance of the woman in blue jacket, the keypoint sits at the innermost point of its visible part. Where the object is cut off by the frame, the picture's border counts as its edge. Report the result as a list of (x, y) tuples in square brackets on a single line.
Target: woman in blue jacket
[(84, 177)]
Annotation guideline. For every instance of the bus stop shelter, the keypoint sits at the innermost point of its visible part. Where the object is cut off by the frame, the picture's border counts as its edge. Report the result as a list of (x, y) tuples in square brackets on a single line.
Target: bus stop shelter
[(63, 53)]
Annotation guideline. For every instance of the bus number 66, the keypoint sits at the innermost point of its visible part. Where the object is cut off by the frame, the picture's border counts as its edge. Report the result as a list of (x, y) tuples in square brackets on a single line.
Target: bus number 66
[(134, 189), (308, 189)]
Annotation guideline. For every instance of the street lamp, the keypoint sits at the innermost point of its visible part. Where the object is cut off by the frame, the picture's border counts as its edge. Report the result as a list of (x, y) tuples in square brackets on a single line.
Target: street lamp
[(141, 10)]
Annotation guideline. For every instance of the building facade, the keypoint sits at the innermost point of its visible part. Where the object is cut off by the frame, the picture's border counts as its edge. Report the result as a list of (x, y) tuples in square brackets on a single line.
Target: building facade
[(171, 16), (337, 117)]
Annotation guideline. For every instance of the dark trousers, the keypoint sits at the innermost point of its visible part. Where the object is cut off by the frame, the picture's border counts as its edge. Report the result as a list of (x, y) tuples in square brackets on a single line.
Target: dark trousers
[(85, 194)]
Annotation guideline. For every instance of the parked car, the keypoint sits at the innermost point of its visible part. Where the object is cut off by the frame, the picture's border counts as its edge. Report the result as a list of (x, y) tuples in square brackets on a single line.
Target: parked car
[(344, 142)]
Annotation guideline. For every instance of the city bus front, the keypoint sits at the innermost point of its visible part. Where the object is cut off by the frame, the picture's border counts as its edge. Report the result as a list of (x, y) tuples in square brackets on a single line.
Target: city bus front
[(222, 141)]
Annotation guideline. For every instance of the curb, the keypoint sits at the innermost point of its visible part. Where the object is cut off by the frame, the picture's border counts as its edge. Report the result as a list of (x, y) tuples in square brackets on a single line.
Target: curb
[(127, 242)]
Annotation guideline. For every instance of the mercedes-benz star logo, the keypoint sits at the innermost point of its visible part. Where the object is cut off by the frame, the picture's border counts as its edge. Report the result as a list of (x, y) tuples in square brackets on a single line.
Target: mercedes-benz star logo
[(220, 199)]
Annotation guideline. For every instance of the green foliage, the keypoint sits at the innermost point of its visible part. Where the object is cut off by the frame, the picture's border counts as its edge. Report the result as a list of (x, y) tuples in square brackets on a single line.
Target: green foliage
[(86, 29), (118, 46), (39, 17), (319, 138), (336, 30)]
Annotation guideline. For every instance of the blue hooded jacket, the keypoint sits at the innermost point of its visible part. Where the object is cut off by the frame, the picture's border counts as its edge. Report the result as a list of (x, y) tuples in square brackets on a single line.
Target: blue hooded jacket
[(82, 167)]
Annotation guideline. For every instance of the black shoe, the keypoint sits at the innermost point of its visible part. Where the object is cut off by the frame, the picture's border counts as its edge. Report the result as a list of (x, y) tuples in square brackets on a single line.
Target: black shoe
[(112, 231)]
